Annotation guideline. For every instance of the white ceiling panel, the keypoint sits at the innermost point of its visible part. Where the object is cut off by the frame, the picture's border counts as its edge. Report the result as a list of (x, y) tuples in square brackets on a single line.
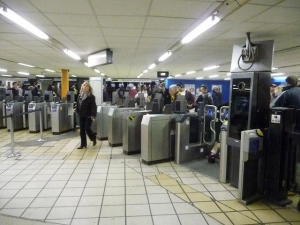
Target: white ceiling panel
[(166, 23), (290, 3), (64, 6), (19, 36), (133, 22), (36, 18), (265, 2), (121, 8), (149, 33), (180, 9), (247, 12), (125, 40), (20, 6), (51, 30), (158, 41), (72, 20), (117, 32), (278, 15), (8, 28), (81, 30)]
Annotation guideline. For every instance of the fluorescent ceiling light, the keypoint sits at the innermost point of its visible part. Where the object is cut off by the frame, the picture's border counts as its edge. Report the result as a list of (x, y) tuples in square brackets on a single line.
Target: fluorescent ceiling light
[(73, 75), (97, 71), (23, 73), (191, 72), (6, 75), (3, 70), (274, 68), (228, 74), (280, 78), (141, 74), (204, 26), (39, 75), (277, 74), (86, 64), (227, 78), (102, 74), (71, 54), (211, 67), (23, 23), (199, 78), (178, 75), (165, 56), (145, 71), (212, 76), (152, 66), (48, 70), (23, 64)]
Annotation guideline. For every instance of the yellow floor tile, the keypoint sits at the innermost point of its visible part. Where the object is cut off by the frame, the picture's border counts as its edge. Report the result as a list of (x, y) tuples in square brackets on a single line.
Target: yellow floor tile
[(234, 205), (238, 218), (268, 216), (174, 189), (207, 207), (198, 197), (258, 205), (188, 189), (168, 182), (183, 197), (163, 176), (224, 208), (221, 217), (250, 215), (291, 214)]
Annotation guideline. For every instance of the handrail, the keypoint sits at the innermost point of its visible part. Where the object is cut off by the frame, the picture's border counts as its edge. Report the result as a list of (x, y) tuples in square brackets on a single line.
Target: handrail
[(223, 108), (210, 124)]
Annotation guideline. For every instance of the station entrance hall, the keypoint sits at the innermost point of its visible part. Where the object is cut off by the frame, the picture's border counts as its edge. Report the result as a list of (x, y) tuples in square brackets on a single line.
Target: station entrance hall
[(149, 112)]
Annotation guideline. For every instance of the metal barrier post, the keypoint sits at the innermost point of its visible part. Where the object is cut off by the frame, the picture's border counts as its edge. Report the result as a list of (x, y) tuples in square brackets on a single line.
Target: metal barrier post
[(41, 128), (12, 154)]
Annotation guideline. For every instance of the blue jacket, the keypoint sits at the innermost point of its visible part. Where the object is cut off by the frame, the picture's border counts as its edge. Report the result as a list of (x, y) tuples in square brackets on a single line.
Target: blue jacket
[(290, 97)]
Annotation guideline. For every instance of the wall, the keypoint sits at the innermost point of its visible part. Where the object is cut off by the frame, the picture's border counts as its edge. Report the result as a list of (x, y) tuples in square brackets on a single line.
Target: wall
[(224, 83)]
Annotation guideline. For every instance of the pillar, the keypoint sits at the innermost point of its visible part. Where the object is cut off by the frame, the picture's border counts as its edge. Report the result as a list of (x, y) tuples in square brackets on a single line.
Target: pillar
[(64, 82)]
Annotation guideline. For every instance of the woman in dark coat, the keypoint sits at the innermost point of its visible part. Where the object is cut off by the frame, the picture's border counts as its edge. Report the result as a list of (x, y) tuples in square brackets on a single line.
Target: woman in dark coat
[(86, 109)]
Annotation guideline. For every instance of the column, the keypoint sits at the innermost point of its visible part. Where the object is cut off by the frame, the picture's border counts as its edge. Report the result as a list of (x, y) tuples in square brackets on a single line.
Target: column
[(64, 82)]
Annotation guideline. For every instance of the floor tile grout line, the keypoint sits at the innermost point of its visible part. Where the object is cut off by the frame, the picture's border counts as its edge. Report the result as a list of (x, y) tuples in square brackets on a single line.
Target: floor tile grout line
[(104, 188)]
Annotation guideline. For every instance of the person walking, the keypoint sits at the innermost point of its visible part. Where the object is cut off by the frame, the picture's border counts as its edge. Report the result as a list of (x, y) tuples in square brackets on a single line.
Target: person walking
[(86, 109)]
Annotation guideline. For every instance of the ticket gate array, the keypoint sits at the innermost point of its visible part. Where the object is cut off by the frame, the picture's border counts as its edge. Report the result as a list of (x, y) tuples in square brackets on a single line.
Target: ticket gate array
[(102, 121), (158, 138), (2, 112), (34, 117), (15, 109), (62, 116), (132, 131)]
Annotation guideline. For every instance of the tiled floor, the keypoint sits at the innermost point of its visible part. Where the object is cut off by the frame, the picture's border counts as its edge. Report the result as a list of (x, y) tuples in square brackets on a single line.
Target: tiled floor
[(55, 182)]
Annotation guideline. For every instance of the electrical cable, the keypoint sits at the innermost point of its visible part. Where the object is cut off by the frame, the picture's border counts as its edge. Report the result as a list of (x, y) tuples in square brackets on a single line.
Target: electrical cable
[(252, 51)]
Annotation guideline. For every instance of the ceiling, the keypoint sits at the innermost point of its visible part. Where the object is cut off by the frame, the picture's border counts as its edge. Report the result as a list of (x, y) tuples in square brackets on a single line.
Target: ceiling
[(140, 31)]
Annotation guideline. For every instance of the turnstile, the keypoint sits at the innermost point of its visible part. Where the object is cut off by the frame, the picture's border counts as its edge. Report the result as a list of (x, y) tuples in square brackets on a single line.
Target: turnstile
[(62, 117), (115, 116), (34, 117), (132, 131), (102, 121), (158, 138), (47, 115), (3, 121), (15, 108)]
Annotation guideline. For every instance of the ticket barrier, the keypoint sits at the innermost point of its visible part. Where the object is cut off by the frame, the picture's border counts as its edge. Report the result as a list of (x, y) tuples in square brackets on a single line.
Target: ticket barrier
[(115, 116), (250, 170), (132, 131), (62, 118), (195, 134), (15, 109), (2, 112), (102, 120), (34, 117), (158, 138), (27, 100)]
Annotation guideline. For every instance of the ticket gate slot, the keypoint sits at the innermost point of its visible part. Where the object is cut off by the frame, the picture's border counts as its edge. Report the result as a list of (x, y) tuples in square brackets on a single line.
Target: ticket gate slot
[(48, 98), (2, 112), (8, 96), (250, 174), (27, 100), (102, 121), (115, 116), (157, 136), (34, 117), (132, 131), (15, 109), (60, 118), (195, 134)]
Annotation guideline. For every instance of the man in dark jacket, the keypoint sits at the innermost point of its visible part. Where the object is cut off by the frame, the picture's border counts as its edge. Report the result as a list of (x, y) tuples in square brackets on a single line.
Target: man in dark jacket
[(188, 96), (165, 93), (291, 94), (205, 96), (15, 90)]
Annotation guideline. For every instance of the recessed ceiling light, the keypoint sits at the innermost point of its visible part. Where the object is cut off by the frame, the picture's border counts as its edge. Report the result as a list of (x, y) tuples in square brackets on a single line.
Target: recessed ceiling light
[(152, 66), (48, 70), (102, 74), (71, 54), (23, 64), (39, 75), (199, 78), (73, 75), (23, 73), (211, 67), (3, 70), (277, 74), (6, 75), (165, 56), (97, 71), (178, 75), (191, 72), (227, 78), (212, 76), (145, 71)]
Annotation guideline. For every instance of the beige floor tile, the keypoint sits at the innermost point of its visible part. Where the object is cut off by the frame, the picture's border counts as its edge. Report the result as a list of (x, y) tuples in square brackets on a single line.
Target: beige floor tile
[(159, 198), (67, 201), (35, 184), (36, 213), (207, 207), (174, 189), (258, 205), (188, 189), (13, 185), (28, 193), (140, 190), (268, 216), (114, 191), (115, 183), (224, 208), (166, 220), (136, 199), (222, 195), (221, 217), (198, 197), (185, 208), (182, 197), (61, 213), (71, 192), (56, 184), (155, 190), (13, 212), (138, 210), (238, 218), (8, 193), (289, 214), (112, 211), (43, 202), (87, 212), (114, 200), (138, 220), (168, 182), (112, 221), (50, 193), (17, 203), (192, 219), (89, 221), (76, 184), (234, 205), (90, 201)]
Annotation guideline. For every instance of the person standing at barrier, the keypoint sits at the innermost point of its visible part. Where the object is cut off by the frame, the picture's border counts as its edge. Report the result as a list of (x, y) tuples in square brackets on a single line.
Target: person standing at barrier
[(86, 109), (165, 93), (15, 90)]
